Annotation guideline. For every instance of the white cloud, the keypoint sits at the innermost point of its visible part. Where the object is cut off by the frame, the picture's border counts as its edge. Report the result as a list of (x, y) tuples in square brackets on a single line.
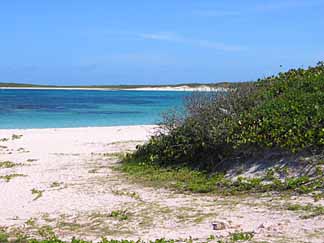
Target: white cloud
[(220, 46), (163, 36), (217, 13), (172, 37)]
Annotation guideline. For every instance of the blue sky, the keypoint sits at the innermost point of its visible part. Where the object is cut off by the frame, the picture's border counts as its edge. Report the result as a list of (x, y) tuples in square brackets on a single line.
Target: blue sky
[(155, 42)]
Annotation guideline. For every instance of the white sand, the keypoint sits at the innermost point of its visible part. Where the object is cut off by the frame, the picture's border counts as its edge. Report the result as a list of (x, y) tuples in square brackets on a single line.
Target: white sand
[(181, 88), (87, 190)]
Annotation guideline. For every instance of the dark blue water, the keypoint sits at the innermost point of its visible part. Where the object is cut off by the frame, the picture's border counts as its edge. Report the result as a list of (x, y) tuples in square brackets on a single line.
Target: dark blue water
[(83, 108)]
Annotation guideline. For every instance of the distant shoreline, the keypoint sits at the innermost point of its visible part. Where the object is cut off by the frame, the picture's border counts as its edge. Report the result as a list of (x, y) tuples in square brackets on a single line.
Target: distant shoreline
[(166, 88), (77, 129)]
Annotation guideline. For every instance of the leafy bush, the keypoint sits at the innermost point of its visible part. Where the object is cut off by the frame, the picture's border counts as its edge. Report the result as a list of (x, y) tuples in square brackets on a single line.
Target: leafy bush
[(200, 139), (280, 112), (291, 114)]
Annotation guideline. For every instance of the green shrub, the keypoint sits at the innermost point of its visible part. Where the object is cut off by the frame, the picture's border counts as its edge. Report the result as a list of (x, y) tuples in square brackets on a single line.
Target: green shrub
[(3, 237), (291, 114), (200, 139), (283, 112)]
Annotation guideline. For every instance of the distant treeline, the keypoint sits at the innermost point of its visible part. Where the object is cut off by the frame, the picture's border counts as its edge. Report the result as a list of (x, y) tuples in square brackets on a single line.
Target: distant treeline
[(191, 85)]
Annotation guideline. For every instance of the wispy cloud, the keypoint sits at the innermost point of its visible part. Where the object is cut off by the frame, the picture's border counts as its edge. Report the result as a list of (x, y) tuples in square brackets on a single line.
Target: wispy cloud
[(172, 37), (216, 13), (219, 46), (163, 36)]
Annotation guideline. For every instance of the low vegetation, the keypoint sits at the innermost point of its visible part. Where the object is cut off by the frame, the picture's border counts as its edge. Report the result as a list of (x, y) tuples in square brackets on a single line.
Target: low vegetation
[(187, 179), (9, 177), (16, 136), (5, 239), (38, 193), (241, 236), (309, 210), (282, 113), (126, 193), (7, 164), (119, 214), (49, 237), (56, 184)]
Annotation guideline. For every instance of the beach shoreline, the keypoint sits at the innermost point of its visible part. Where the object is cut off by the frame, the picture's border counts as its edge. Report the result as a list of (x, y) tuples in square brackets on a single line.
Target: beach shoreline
[(11, 130), (203, 88)]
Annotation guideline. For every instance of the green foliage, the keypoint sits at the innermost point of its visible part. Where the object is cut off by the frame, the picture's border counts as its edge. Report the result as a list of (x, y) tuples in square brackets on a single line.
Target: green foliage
[(134, 195), (7, 164), (312, 210), (38, 193), (290, 115), (182, 178), (241, 236), (119, 214), (283, 112), (47, 232), (3, 237), (186, 179), (7, 178), (200, 139)]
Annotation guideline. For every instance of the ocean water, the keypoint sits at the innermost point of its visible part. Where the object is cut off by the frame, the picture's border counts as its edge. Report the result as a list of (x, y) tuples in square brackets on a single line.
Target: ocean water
[(21, 108)]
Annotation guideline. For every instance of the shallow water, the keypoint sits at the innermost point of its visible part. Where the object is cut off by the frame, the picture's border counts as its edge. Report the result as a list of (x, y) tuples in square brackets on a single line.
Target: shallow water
[(21, 108)]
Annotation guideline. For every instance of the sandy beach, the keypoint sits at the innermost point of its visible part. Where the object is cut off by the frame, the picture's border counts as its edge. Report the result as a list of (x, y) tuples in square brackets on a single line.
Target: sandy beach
[(63, 180)]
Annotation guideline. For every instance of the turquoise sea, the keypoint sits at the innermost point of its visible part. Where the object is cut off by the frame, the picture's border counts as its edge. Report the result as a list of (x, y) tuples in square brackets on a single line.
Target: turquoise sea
[(22, 108)]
